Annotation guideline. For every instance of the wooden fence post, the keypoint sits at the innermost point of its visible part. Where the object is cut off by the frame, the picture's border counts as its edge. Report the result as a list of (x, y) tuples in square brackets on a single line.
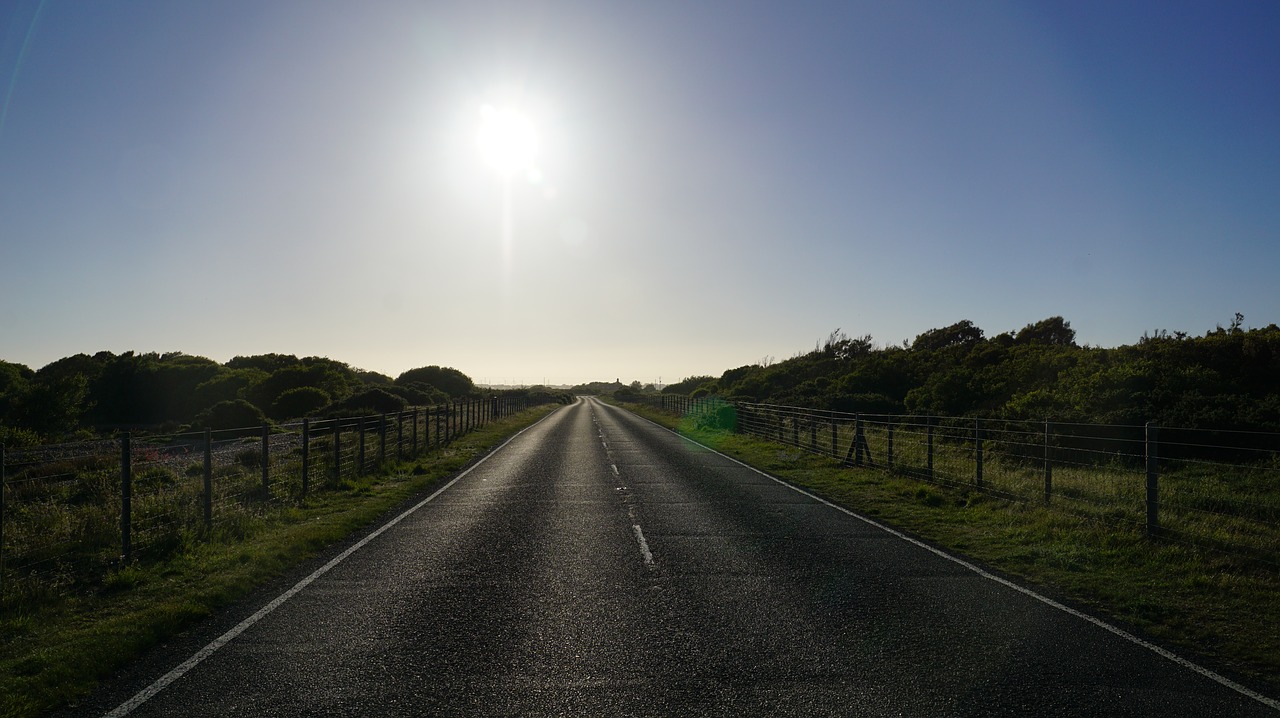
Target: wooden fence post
[(889, 452), (977, 452), (929, 430), (337, 449), (382, 439), (415, 432), (360, 451)]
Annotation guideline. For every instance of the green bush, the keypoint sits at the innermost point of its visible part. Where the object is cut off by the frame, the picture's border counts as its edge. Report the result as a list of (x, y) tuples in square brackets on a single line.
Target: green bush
[(302, 401), (236, 414), (369, 401)]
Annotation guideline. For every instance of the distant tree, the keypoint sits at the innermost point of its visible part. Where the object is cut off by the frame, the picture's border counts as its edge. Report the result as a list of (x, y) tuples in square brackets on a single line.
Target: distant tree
[(13, 382), (52, 406), (1054, 331), (369, 401), (373, 377), (687, 385), (227, 385), (266, 362), (299, 402), (333, 378), (446, 379), (962, 332), (237, 414), (417, 393)]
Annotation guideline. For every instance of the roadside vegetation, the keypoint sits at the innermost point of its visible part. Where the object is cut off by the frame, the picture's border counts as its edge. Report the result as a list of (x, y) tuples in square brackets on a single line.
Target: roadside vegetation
[(85, 396), (1218, 608), (52, 652), (1229, 378)]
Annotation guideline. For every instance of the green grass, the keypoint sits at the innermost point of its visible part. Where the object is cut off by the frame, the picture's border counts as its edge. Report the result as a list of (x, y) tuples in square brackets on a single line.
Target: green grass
[(53, 652), (1220, 608)]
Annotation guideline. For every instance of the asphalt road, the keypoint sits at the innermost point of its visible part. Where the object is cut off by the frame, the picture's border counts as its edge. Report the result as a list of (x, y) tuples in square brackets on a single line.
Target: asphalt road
[(600, 565)]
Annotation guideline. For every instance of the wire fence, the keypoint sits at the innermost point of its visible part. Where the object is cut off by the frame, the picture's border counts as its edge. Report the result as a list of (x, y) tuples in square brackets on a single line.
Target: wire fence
[(71, 513), (1210, 488)]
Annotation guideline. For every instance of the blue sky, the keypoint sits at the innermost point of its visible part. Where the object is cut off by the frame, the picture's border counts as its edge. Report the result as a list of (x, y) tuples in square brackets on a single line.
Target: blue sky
[(717, 182)]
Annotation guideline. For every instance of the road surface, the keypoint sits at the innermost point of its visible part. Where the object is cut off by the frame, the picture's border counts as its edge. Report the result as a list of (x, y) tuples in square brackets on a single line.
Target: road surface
[(600, 565)]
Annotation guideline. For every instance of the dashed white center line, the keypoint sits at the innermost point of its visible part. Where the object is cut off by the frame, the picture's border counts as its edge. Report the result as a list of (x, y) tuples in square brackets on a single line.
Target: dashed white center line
[(615, 469), (644, 545)]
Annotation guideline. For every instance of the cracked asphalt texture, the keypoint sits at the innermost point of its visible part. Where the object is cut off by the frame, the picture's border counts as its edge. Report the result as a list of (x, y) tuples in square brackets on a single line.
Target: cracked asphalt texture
[(522, 590)]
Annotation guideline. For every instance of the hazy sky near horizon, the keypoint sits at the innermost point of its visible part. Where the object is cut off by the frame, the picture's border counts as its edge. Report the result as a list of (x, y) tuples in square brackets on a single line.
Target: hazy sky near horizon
[(716, 181)]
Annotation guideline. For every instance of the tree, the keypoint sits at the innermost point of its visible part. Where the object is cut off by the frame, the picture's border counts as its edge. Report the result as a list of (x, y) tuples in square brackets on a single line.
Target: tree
[(237, 414), (53, 405), (13, 382), (962, 332), (1054, 331), (369, 401), (302, 401), (446, 379)]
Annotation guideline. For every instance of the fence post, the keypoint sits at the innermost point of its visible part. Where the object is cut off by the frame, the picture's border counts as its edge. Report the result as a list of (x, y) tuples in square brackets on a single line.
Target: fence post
[(415, 432), (337, 449), (438, 430), (382, 439), (126, 498), (1153, 480), (399, 435), (360, 452), (889, 453), (977, 452), (1048, 464), (266, 462), (208, 477), (795, 430), (928, 420), (306, 454), (835, 437), (855, 445)]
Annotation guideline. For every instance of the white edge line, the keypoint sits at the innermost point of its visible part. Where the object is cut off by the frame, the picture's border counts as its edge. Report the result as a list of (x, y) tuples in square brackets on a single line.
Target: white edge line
[(644, 545), (1220, 679), (164, 681)]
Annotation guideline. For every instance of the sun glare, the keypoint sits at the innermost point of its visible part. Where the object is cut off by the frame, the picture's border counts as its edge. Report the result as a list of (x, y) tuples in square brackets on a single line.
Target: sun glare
[(507, 139)]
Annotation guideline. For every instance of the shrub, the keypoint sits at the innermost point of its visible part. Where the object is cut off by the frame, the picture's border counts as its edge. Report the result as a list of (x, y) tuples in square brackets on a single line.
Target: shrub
[(369, 401), (302, 401), (237, 414)]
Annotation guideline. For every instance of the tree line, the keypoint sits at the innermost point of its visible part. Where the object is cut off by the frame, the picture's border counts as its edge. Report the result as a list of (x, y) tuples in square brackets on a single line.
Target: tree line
[(1229, 378), (85, 394)]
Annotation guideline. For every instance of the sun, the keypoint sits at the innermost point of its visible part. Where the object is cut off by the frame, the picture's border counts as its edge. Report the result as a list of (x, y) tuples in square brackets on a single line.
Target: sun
[(507, 139)]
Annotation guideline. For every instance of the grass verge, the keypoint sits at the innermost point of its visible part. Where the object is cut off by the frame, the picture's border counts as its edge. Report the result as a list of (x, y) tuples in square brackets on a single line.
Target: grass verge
[(1218, 608), (54, 655)]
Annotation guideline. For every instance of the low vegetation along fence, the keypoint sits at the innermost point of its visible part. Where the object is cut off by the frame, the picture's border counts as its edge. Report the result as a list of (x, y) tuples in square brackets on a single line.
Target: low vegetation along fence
[(1218, 489), (70, 513)]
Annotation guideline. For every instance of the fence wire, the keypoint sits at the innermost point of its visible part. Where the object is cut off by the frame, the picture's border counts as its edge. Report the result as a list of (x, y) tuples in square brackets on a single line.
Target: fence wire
[(71, 513), (1209, 488)]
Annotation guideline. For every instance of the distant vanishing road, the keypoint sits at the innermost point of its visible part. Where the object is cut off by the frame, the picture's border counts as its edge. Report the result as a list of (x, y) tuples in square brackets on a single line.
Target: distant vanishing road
[(599, 565)]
